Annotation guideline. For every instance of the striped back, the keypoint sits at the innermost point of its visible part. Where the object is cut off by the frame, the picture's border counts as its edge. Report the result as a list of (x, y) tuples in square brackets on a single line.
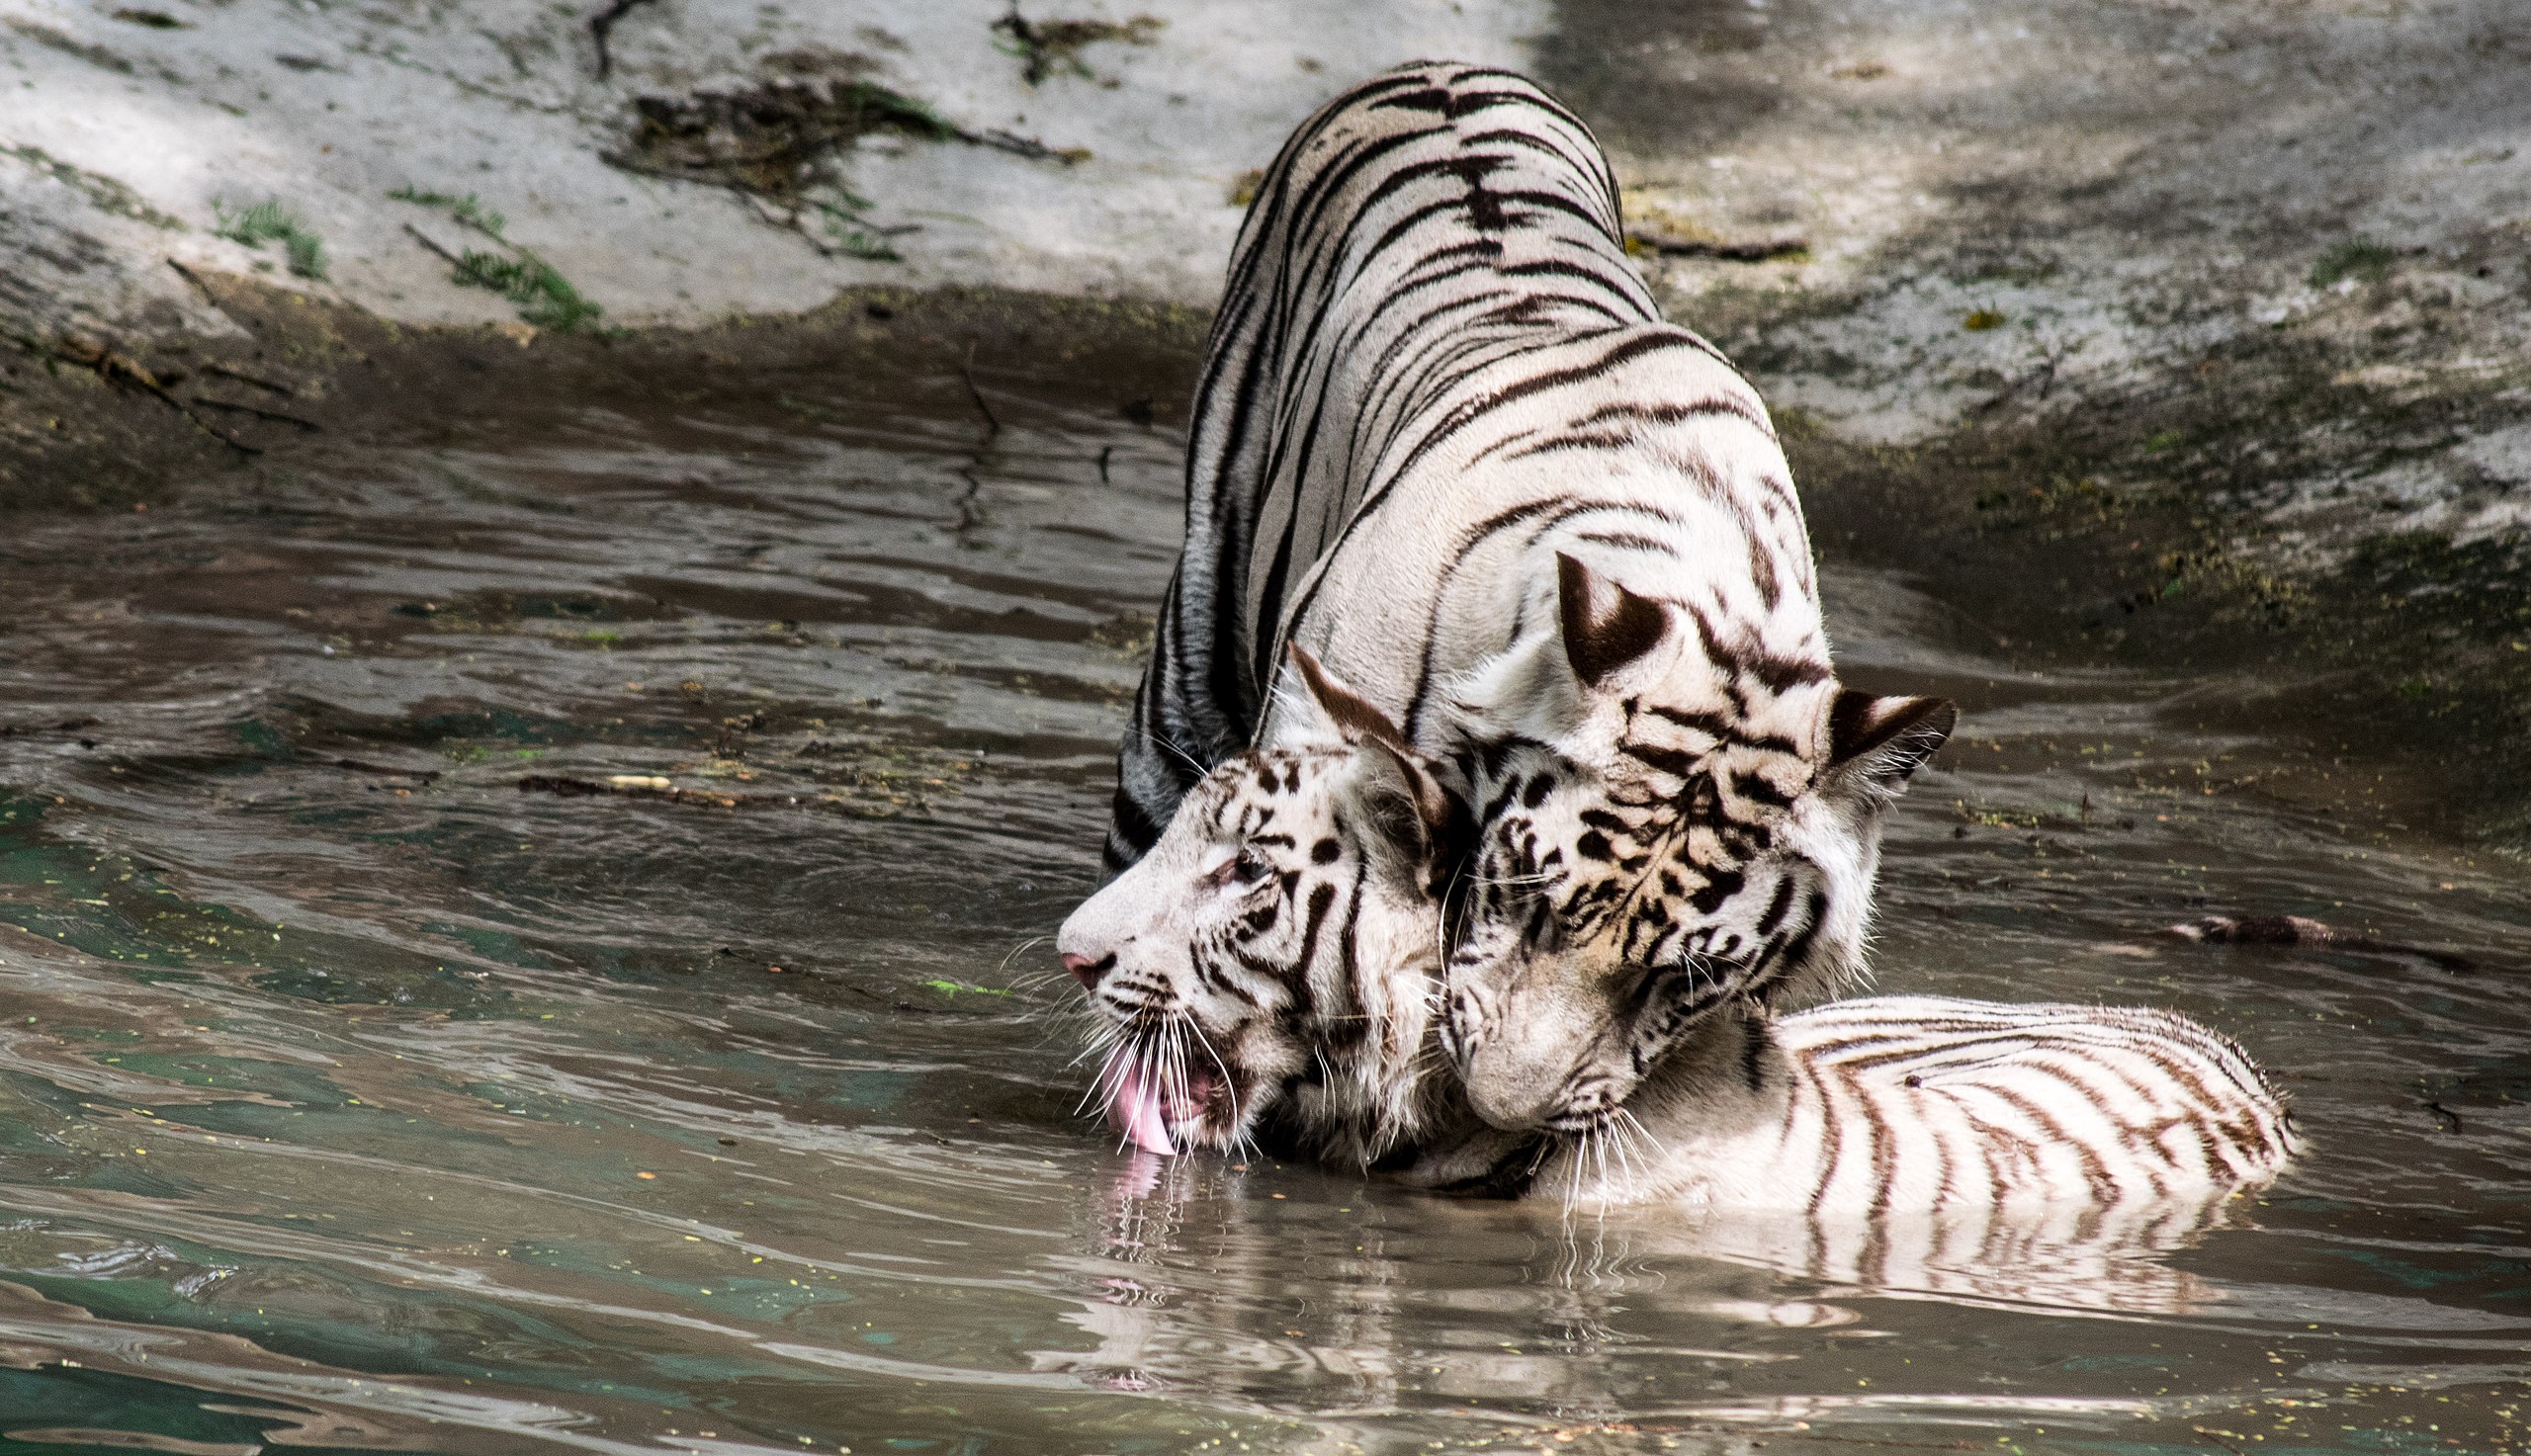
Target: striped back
[(1865, 1109), (1447, 446), (1430, 222)]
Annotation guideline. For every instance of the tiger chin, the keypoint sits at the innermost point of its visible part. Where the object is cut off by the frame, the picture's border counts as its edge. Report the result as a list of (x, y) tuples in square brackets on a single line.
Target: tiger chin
[(1274, 969)]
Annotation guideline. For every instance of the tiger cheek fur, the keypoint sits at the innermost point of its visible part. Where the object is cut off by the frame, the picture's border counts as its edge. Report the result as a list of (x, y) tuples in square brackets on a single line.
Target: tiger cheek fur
[(1271, 962), (1722, 850)]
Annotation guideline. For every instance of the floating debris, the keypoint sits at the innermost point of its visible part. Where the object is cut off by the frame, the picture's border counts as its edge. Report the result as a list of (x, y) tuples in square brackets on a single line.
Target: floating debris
[(2301, 930)]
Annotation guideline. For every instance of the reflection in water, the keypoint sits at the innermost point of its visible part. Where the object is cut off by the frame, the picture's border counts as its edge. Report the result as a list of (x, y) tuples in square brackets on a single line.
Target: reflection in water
[(1195, 1277), (352, 1098)]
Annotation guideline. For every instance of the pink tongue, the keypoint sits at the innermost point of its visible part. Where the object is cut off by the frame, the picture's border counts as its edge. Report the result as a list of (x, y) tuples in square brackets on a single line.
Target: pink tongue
[(1134, 1106)]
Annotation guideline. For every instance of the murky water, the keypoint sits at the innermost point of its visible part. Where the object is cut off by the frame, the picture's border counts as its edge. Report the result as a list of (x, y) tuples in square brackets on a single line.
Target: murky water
[(533, 944)]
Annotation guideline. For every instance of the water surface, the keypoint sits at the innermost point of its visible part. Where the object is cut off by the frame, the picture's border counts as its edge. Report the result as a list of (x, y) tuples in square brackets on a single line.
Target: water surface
[(534, 942)]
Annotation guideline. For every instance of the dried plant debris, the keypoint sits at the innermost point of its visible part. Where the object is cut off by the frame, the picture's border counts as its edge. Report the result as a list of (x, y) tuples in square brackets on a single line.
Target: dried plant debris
[(126, 372), (105, 193), (1653, 229), (270, 221), (780, 145), (1640, 240), (545, 299), (602, 29), (1047, 46), (94, 56)]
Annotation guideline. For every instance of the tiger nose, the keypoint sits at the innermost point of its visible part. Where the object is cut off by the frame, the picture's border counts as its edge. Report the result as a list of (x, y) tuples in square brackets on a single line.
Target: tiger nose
[(1087, 971)]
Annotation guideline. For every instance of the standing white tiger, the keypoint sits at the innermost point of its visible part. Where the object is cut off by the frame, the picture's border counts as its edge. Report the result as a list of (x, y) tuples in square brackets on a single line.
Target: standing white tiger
[(1445, 442), (1593, 796)]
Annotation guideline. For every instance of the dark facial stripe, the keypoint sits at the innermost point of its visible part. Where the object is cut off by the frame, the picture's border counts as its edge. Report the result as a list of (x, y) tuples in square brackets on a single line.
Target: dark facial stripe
[(1776, 673), (1720, 729)]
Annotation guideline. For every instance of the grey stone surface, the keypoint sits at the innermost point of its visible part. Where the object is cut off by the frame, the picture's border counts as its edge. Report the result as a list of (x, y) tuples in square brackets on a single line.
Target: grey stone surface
[(2009, 208)]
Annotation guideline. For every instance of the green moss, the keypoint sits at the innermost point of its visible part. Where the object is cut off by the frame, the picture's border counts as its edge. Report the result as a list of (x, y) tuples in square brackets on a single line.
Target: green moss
[(467, 210), (270, 221), (2358, 258), (544, 297)]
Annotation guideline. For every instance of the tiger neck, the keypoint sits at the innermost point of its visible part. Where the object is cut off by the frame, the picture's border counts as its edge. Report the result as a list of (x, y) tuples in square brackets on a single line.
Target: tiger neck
[(1729, 1080), (1731, 1077)]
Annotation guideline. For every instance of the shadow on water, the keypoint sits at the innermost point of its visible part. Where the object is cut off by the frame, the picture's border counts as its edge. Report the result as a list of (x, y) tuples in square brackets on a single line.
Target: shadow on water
[(534, 946)]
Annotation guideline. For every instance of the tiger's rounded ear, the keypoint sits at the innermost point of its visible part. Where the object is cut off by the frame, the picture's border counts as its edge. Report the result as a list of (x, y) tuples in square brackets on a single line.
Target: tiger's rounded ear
[(1882, 740), (1606, 626)]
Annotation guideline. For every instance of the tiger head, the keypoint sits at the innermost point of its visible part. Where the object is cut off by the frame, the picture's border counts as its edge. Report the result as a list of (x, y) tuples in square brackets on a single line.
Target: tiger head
[(1274, 960), (1673, 814)]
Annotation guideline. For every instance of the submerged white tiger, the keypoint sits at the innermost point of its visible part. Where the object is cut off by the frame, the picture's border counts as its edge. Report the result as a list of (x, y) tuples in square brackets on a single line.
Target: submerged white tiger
[(1272, 969), (1526, 887)]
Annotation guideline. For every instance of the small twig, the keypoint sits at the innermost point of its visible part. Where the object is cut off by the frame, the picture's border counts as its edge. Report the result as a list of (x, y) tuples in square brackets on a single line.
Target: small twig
[(424, 239), (1023, 146), (67, 725), (603, 22), (967, 372), (274, 415), (1105, 451), (243, 377), (196, 278), (969, 518), (1670, 245), (2045, 374), (426, 775)]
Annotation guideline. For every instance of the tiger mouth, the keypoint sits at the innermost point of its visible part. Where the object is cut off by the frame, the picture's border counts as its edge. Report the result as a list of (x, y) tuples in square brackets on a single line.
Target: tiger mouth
[(1157, 1104)]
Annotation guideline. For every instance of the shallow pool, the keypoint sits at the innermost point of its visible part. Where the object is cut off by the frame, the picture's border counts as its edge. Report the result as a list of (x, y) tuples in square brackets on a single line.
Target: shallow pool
[(536, 942)]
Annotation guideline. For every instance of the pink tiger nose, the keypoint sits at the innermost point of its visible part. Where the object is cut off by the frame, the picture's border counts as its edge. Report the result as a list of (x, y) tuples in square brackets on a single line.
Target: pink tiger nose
[(1087, 971)]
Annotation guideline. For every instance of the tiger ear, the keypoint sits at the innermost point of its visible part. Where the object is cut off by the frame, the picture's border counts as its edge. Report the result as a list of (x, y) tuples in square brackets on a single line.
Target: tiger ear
[(1882, 740), (1353, 717), (1389, 768), (1606, 626)]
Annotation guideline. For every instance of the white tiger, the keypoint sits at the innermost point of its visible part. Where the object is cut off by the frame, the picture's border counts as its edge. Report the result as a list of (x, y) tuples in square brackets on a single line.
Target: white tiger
[(1274, 962), (1445, 442)]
